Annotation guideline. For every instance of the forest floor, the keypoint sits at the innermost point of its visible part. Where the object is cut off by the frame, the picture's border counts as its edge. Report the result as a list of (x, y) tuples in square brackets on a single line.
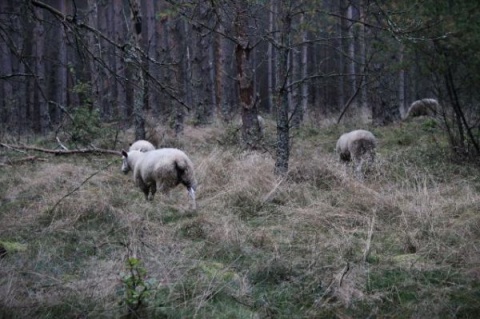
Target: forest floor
[(78, 239)]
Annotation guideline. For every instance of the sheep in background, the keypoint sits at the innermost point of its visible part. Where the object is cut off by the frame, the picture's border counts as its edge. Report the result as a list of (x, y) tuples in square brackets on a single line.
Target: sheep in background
[(261, 124), (423, 107), (357, 146), (142, 146), (161, 169)]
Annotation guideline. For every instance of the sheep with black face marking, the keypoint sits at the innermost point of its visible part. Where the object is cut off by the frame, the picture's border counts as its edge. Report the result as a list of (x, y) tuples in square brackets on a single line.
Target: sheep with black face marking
[(423, 107), (142, 146), (357, 146), (161, 169)]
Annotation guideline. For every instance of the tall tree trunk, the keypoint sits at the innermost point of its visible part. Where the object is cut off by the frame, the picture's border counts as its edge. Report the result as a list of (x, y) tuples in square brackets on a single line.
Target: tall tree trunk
[(219, 69), (201, 84), (270, 56), (341, 58), (40, 107), (137, 76), (178, 59), (95, 47), (294, 96), (150, 45), (351, 50), (304, 73), (283, 129), (117, 85), (401, 82), (250, 125), (6, 88), (61, 75), (363, 57)]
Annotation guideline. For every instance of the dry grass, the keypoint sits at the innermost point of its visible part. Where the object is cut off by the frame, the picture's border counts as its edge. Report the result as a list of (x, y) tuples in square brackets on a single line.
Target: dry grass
[(316, 243)]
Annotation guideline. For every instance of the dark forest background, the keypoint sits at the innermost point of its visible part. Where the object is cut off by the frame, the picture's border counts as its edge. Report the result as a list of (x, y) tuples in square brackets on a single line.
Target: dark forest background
[(122, 63)]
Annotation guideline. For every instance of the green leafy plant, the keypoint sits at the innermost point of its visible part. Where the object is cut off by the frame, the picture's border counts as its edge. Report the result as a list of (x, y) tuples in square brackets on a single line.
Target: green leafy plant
[(86, 125), (137, 289)]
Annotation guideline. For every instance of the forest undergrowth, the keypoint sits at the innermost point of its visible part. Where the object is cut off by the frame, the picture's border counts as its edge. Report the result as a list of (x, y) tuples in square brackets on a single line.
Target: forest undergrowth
[(78, 239)]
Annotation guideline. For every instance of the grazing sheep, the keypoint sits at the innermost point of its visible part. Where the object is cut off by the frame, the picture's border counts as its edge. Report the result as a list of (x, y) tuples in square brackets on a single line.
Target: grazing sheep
[(261, 124), (357, 146), (423, 107), (161, 169), (142, 146)]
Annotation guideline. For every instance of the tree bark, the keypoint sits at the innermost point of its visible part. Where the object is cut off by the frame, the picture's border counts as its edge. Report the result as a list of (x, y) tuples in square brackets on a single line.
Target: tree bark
[(363, 57), (136, 66), (6, 89), (283, 129), (250, 126), (271, 57), (178, 57), (200, 80), (117, 102), (95, 48), (351, 50), (40, 107)]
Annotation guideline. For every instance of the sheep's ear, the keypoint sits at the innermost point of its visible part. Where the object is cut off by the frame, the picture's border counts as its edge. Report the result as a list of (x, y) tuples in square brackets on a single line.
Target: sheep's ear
[(124, 153)]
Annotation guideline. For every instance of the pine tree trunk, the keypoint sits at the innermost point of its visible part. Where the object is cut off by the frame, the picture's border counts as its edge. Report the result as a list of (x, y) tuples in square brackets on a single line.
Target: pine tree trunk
[(341, 58), (150, 45), (6, 90), (178, 57), (40, 107), (363, 58), (304, 73), (219, 70), (201, 77), (250, 125), (117, 103), (351, 51), (401, 83), (94, 43), (137, 76), (283, 129)]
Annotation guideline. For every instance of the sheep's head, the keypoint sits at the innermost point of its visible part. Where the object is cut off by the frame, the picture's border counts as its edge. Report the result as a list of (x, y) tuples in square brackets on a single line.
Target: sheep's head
[(125, 166)]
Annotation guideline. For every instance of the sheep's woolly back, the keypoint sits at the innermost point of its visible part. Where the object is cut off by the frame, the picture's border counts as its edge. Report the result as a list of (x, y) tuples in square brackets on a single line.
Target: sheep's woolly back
[(142, 146), (355, 144), (170, 165), (423, 107), (161, 169)]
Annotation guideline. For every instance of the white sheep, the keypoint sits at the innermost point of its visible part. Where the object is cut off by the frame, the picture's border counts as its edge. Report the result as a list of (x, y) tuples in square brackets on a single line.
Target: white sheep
[(261, 124), (357, 146), (161, 169), (142, 146), (423, 107)]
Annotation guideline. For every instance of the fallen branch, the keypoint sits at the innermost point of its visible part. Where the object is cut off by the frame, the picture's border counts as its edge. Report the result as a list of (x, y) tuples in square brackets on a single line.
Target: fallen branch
[(62, 151)]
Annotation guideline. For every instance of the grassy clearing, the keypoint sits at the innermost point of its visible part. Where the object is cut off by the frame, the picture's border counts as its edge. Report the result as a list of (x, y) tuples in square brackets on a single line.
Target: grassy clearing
[(317, 243)]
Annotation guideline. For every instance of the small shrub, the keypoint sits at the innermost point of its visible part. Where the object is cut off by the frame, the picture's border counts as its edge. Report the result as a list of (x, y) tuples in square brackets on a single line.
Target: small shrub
[(137, 289)]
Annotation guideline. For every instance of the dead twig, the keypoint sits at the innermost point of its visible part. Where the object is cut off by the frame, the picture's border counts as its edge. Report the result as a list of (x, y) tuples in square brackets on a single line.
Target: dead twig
[(62, 151), (75, 189)]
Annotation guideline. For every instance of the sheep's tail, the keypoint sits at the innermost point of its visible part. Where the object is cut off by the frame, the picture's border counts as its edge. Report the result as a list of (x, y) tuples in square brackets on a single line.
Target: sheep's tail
[(185, 176)]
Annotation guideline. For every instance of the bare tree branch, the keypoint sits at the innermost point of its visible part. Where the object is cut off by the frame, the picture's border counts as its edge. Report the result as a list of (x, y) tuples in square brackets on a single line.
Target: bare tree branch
[(62, 151)]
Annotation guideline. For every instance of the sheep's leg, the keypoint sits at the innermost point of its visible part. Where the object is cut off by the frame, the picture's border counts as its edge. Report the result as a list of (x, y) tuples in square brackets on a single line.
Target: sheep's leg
[(153, 190), (144, 187), (191, 193)]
